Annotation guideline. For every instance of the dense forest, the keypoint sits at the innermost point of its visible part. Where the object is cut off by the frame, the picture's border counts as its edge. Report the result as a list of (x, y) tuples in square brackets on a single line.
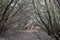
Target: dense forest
[(41, 15)]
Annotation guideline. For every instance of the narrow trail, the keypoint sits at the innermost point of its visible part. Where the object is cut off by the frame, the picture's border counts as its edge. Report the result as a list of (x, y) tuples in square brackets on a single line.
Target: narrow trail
[(25, 35)]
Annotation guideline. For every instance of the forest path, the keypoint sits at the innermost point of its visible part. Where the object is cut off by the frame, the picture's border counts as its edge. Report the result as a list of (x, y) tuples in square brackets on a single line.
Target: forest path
[(25, 35)]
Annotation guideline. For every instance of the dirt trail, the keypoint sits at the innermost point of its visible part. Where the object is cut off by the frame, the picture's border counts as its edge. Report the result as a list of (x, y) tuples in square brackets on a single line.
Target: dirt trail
[(25, 35)]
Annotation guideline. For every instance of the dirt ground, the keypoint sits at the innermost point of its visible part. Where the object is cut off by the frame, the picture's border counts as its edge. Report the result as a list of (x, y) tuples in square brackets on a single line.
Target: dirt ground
[(25, 35)]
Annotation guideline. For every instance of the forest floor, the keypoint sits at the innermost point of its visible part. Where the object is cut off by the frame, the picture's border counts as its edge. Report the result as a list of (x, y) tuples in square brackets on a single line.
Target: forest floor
[(28, 34)]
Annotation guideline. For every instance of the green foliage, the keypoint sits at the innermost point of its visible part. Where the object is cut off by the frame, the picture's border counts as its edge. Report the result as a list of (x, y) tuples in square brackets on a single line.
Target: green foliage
[(1, 2), (59, 11), (40, 0)]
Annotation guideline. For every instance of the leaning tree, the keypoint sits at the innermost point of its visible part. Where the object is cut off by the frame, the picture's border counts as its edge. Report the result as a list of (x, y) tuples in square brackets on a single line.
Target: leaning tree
[(13, 13), (48, 16)]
